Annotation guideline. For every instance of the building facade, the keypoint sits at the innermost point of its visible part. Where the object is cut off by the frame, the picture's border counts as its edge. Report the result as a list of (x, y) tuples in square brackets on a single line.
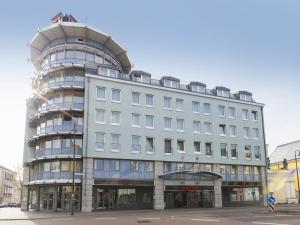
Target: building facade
[(9, 190), (134, 142)]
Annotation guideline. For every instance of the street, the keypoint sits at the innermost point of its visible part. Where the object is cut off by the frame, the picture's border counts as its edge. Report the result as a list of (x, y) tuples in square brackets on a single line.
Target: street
[(230, 216)]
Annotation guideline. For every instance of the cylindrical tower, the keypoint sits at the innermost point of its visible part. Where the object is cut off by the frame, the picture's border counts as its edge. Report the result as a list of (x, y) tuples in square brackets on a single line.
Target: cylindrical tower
[(62, 53)]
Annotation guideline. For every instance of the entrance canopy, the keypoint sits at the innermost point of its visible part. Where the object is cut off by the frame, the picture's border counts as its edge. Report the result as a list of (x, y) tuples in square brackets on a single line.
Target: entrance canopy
[(191, 175)]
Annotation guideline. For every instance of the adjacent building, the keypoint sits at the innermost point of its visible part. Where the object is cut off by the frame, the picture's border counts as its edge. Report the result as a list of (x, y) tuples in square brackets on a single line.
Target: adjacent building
[(9, 188), (132, 141)]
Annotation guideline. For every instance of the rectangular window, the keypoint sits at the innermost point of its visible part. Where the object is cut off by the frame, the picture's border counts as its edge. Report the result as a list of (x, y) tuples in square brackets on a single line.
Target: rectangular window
[(56, 143), (167, 103), (232, 131), (180, 145), (149, 121), (167, 167), (255, 133), (257, 154), (149, 144), (115, 165), (101, 93), (55, 167), (233, 170), (180, 166), (168, 146), (197, 146), (179, 104), (149, 166), (222, 93), (207, 127), (196, 126), (135, 120), (221, 110), (134, 165), (98, 164), (246, 132), (208, 149), (254, 115), (115, 95), (135, 143), (115, 142), (231, 111), (180, 125), (100, 116), (100, 140), (208, 167), (247, 151), (103, 71), (246, 170), (149, 100), (195, 107), (222, 169), (245, 114), (168, 123), (115, 118), (222, 129), (234, 151), (256, 170), (223, 148), (135, 100), (206, 108)]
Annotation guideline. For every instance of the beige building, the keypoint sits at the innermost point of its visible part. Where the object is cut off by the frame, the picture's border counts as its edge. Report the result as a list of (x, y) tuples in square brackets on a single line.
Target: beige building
[(9, 190)]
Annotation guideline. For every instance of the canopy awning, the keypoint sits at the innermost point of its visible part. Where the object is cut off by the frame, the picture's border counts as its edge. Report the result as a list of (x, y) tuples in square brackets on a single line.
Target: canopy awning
[(190, 175)]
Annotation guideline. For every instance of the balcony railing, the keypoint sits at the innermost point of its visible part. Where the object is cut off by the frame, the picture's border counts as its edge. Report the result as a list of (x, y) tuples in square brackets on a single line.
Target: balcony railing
[(53, 175), (57, 152), (57, 84), (60, 106), (126, 174), (60, 129)]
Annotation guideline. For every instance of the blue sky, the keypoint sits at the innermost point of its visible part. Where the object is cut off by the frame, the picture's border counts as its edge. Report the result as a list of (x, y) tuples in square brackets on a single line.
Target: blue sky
[(252, 45)]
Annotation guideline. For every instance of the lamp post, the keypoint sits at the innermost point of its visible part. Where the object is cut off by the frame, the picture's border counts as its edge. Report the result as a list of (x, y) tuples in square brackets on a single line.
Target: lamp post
[(297, 173), (73, 170)]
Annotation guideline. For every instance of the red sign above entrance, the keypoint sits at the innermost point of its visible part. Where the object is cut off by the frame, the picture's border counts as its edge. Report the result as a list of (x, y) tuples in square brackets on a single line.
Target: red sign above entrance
[(187, 188)]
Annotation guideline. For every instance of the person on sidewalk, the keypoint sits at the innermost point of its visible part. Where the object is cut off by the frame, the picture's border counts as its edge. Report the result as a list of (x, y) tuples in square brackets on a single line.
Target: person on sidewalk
[(271, 202)]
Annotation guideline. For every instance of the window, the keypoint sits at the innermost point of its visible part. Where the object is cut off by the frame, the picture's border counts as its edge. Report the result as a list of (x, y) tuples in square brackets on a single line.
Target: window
[(48, 144), (115, 142), (207, 128), (103, 71), (255, 133), (113, 73), (134, 166), (257, 154), (195, 107), (149, 100), (197, 147), (115, 95), (246, 170), (115, 118), (55, 166), (98, 59), (196, 126), (180, 125), (234, 151), (149, 144), (135, 143), (208, 149), (198, 88), (135, 120), (149, 121), (180, 145), (56, 143), (167, 103), (179, 104), (246, 132), (149, 166), (206, 108), (222, 93), (256, 170), (100, 140), (115, 165), (98, 164), (232, 129), (231, 111), (167, 167), (171, 83), (245, 97), (180, 166), (233, 170), (254, 115), (222, 129), (223, 148), (167, 123), (100, 116), (135, 98), (101, 93), (221, 109), (247, 151), (245, 114), (47, 167), (222, 169), (168, 146), (208, 167)]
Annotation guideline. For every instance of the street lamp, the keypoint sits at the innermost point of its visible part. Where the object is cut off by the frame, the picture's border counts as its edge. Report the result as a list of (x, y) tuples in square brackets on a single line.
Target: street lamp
[(297, 173), (73, 170)]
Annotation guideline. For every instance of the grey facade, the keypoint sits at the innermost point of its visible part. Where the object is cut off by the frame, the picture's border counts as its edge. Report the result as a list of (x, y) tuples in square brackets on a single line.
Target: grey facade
[(139, 142)]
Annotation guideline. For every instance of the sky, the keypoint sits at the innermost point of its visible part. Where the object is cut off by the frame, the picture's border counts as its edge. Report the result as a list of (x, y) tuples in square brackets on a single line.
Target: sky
[(244, 45)]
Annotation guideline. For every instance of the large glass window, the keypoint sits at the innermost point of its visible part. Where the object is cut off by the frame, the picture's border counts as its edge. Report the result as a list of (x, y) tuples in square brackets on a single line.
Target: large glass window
[(115, 165), (98, 164), (116, 95), (115, 142), (149, 100), (248, 151), (206, 108), (223, 148), (197, 147), (55, 166), (115, 118), (149, 166), (180, 145), (135, 98), (195, 107), (180, 125), (101, 93), (167, 123), (135, 143), (135, 120), (168, 146), (167, 102), (196, 126), (208, 149), (222, 129), (221, 109), (149, 144), (149, 121), (179, 104), (234, 151), (134, 165)]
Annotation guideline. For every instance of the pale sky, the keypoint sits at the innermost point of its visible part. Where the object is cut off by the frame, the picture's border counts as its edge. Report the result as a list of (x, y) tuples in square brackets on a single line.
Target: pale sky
[(244, 45)]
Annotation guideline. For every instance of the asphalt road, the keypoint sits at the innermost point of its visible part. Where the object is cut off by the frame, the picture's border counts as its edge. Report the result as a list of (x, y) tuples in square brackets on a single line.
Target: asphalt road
[(172, 217)]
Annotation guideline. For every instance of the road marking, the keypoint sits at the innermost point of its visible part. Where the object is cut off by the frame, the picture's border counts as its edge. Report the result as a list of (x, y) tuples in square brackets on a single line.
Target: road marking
[(58, 219), (264, 223), (148, 218), (106, 218), (207, 220)]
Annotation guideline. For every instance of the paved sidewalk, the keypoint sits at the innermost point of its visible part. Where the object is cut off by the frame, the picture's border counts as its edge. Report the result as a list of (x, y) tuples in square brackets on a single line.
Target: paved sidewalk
[(17, 214)]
